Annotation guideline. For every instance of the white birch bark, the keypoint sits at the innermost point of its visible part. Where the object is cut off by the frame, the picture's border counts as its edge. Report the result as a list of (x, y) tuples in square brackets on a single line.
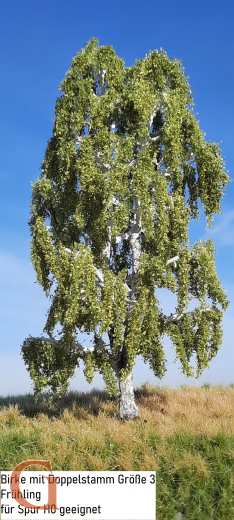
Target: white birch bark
[(127, 406)]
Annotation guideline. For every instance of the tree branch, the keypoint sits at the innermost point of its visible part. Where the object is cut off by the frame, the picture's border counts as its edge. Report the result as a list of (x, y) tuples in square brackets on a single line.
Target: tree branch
[(104, 167), (176, 317), (99, 275), (99, 343), (144, 142), (101, 76), (165, 172), (173, 260), (189, 157), (56, 342)]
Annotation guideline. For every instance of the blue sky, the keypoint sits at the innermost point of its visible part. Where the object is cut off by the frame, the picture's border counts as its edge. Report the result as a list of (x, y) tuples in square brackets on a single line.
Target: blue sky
[(38, 41)]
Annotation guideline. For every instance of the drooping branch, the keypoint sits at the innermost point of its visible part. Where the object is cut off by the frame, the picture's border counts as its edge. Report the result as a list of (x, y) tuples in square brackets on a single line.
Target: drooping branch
[(53, 341), (99, 343), (176, 317), (99, 275)]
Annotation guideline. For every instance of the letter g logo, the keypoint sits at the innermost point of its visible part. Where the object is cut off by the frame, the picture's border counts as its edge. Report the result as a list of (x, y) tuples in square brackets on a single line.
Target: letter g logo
[(52, 490)]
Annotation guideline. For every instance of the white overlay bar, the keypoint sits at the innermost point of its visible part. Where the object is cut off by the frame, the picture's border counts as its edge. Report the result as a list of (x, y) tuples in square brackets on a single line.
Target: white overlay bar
[(102, 495)]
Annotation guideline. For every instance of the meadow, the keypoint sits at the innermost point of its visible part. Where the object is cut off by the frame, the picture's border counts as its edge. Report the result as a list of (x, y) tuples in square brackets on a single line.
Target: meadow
[(186, 435)]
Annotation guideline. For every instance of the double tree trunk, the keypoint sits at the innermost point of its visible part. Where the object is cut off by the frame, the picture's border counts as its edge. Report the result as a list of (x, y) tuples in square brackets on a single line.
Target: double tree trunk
[(119, 359)]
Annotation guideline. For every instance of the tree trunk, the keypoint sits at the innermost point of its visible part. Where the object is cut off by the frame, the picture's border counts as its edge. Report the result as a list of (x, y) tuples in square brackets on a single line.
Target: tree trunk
[(127, 406)]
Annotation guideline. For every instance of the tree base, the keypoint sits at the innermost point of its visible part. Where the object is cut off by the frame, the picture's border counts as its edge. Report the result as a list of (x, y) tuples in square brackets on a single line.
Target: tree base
[(127, 406)]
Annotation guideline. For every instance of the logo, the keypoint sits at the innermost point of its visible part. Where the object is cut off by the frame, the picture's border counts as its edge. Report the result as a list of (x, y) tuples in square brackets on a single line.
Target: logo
[(52, 488)]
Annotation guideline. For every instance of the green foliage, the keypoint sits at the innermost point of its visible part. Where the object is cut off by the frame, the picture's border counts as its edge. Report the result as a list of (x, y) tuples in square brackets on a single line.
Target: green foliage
[(50, 364), (104, 145), (99, 361)]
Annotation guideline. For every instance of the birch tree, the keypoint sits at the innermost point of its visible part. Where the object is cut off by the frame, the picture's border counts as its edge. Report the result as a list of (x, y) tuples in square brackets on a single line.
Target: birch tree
[(109, 225)]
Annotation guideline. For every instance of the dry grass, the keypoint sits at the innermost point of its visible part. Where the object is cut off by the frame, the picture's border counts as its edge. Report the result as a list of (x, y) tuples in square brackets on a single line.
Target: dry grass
[(207, 410), (90, 422), (186, 435), (191, 409)]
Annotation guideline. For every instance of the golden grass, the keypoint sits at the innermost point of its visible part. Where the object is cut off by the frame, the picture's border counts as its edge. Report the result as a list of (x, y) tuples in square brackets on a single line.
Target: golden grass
[(83, 434), (191, 409), (175, 436), (166, 411)]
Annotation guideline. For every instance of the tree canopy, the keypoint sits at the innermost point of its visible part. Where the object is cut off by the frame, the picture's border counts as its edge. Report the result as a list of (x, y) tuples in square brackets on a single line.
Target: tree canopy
[(109, 222)]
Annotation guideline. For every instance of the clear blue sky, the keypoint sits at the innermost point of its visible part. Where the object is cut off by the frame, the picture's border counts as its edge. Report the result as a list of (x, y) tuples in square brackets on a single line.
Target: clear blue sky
[(37, 42)]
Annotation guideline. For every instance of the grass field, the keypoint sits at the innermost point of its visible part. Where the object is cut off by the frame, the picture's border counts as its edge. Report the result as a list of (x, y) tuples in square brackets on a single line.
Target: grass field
[(186, 435)]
